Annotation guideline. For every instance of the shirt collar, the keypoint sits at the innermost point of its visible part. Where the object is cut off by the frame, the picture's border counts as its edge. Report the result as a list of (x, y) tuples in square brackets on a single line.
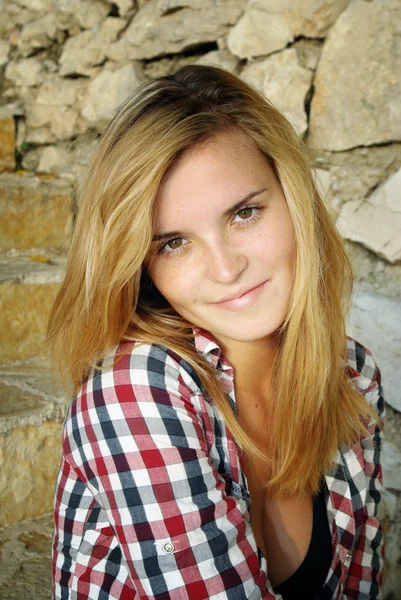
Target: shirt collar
[(209, 349)]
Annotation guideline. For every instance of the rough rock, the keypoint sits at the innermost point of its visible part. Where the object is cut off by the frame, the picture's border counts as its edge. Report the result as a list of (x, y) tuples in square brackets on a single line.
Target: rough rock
[(381, 275), (126, 8), (170, 26), (7, 140), (30, 160), (362, 97), (37, 34), (54, 159), (220, 58), (374, 321), (109, 89), (269, 25), (89, 48), (88, 13), (53, 115), (30, 459), (26, 560), (25, 72), (259, 32), (375, 221), (35, 213), (308, 52), (25, 310), (16, 14), (4, 50), (284, 82), (391, 462)]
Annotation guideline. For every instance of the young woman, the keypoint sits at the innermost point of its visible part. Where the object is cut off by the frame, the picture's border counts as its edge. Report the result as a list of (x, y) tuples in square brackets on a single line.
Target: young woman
[(224, 438)]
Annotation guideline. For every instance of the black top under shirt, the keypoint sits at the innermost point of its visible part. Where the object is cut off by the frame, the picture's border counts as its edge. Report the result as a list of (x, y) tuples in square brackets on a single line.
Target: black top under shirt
[(309, 578)]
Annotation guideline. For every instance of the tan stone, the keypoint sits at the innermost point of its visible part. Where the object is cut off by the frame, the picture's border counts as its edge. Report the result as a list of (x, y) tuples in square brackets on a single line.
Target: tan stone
[(281, 78), (88, 49), (30, 458), (375, 221), (269, 25), (259, 32), (7, 144), (35, 213), (24, 312), (109, 89), (4, 50), (168, 26), (54, 114), (25, 570), (87, 13), (25, 72), (37, 34), (220, 58), (358, 84)]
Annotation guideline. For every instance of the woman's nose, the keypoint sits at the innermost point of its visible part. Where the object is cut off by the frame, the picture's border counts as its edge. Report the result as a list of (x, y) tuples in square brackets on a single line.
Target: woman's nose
[(224, 263)]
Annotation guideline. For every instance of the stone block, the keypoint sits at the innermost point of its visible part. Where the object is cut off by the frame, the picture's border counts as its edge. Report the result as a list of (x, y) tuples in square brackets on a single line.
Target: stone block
[(32, 409), (30, 460), (357, 84), (27, 292), (34, 212), (7, 143), (25, 570)]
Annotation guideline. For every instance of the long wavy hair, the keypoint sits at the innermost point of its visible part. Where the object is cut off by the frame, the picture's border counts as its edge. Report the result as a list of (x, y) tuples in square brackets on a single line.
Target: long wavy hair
[(107, 296)]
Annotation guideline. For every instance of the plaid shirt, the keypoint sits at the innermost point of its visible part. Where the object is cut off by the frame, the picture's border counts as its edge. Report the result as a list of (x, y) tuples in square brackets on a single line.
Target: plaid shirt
[(152, 498)]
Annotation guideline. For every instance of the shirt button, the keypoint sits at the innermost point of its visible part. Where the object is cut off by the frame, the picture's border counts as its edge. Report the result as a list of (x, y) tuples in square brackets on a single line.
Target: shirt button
[(348, 556), (168, 547)]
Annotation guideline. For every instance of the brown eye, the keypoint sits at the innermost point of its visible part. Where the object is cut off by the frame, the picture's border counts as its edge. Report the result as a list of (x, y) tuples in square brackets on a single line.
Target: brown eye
[(245, 213), (174, 244)]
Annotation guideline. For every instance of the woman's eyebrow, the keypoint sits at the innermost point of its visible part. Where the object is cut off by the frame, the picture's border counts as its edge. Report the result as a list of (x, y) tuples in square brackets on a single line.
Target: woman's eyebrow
[(237, 206)]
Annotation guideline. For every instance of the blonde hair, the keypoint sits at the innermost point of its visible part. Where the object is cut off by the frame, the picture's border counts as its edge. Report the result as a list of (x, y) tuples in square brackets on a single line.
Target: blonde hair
[(105, 297)]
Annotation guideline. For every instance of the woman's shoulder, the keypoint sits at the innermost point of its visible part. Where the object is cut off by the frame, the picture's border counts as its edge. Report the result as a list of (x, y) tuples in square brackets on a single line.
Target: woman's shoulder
[(141, 365), (363, 370)]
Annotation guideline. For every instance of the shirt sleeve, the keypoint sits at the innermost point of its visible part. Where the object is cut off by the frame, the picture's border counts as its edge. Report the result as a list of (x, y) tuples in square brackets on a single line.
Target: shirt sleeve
[(136, 438), (365, 571)]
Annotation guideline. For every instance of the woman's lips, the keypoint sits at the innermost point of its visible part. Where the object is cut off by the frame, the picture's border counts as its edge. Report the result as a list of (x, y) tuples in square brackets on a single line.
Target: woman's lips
[(243, 301)]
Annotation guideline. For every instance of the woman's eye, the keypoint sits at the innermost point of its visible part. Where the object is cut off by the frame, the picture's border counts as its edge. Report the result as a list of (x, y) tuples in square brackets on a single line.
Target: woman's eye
[(171, 246), (245, 213), (174, 244)]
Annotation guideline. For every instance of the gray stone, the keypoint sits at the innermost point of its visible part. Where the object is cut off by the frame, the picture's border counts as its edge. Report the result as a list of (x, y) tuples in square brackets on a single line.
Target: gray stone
[(260, 31), (357, 85), (170, 26), (88, 49), (284, 82), (107, 91), (391, 462), (270, 25), (220, 58), (375, 221), (375, 322)]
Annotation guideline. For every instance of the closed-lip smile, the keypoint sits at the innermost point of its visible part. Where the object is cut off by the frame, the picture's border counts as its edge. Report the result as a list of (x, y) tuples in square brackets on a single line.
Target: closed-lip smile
[(232, 298)]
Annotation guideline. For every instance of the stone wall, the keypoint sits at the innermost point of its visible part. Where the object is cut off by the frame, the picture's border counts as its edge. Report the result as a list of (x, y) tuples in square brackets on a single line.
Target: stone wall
[(330, 65)]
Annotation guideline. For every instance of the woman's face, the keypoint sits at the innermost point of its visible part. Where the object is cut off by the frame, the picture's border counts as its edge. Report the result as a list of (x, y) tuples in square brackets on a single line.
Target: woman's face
[(224, 249)]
